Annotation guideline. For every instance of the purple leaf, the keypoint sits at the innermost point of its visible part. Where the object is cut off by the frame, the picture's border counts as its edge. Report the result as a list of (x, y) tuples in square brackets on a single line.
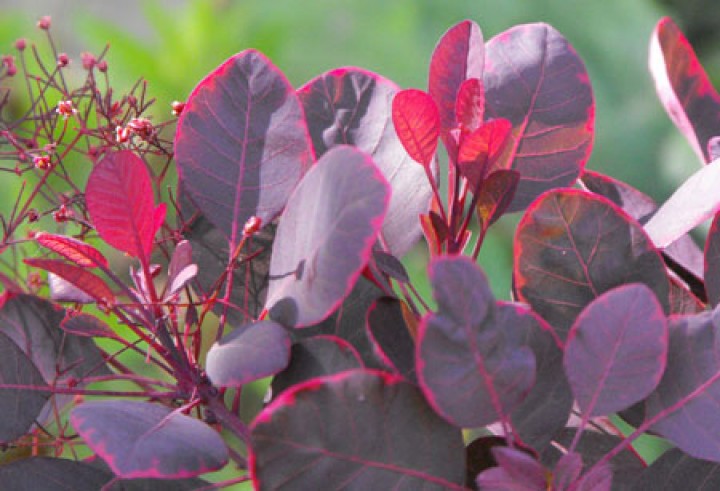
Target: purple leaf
[(467, 344), (683, 87), (599, 478), (389, 330), (692, 203), (546, 408), (19, 407), (323, 434), (250, 352), (615, 352), (140, 439), (712, 262), (316, 262), (535, 79), (181, 268), (516, 470), (391, 266), (120, 202), (677, 470), (479, 457), (34, 325), (495, 196), (316, 357), (350, 106), (458, 56), (686, 400), (571, 246), (567, 470), (46, 473), (242, 143), (641, 207), (62, 290)]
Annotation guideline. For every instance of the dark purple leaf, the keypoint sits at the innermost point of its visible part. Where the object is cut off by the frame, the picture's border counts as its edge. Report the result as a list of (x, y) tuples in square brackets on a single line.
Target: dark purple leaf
[(682, 300), (417, 123), (77, 276), (535, 79), (391, 266), (249, 353), (86, 325), (74, 250), (323, 434), (683, 87), (677, 470), (714, 148), (640, 206), (315, 357), (49, 474), (495, 196), (19, 407), (388, 328), (712, 262), (686, 400), (242, 143), (181, 268), (140, 439), (516, 470), (599, 478), (616, 350), (458, 56), (149, 484), (692, 203), (250, 272), (316, 262), (546, 408), (354, 107), (571, 246), (120, 202), (467, 344), (34, 325)]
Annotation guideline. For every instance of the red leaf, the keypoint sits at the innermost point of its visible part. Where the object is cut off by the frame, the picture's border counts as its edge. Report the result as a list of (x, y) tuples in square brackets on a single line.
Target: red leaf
[(72, 249), (683, 87), (119, 198), (417, 123), (79, 277), (495, 196), (480, 149), (470, 104), (458, 56)]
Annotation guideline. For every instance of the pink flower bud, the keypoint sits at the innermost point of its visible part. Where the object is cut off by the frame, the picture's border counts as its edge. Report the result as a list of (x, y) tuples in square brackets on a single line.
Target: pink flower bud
[(44, 23), (20, 44), (88, 60), (177, 108), (63, 60), (65, 109)]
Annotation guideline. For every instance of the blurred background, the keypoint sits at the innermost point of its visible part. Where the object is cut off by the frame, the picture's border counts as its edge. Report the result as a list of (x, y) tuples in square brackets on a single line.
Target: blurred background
[(174, 43)]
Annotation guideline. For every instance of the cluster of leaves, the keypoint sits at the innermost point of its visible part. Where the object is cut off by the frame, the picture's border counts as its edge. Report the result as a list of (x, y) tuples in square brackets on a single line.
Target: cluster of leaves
[(281, 257)]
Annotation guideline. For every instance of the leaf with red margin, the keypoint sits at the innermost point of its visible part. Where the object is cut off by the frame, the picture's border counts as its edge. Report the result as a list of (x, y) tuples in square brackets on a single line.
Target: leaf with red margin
[(38, 473), (417, 124), (683, 87), (19, 407), (119, 197), (641, 207), (250, 352), (77, 276), (458, 56), (316, 262), (389, 331), (140, 439), (322, 434), (616, 350), (516, 470), (685, 402), (535, 79), (677, 470), (72, 249), (546, 407), (86, 325), (571, 246), (242, 143), (351, 106), (470, 104), (495, 196), (712, 262), (316, 357), (468, 344), (692, 203)]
